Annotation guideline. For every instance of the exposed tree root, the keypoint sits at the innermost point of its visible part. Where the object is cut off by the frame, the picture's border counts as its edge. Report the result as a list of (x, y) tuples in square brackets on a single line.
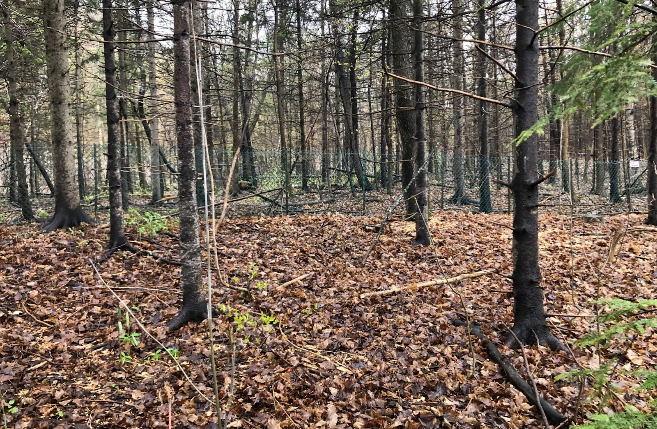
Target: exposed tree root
[(195, 313), (137, 251), (67, 218), (554, 416)]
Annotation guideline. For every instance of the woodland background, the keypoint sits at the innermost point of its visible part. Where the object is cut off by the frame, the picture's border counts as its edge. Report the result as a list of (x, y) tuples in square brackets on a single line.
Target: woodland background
[(348, 118)]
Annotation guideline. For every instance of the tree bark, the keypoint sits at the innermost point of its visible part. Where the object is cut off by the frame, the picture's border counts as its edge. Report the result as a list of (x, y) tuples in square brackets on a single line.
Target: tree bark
[(485, 204), (117, 235), (15, 124), (529, 316), (402, 48), (194, 308), (68, 212), (78, 106), (154, 139), (614, 167), (422, 237), (458, 162), (652, 153), (302, 112)]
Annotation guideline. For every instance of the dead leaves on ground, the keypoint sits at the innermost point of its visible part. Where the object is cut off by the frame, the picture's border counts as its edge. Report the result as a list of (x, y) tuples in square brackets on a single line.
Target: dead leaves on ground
[(334, 360)]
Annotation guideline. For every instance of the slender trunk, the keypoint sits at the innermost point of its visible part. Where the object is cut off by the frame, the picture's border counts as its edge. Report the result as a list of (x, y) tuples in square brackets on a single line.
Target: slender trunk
[(614, 167), (78, 104), (458, 166), (302, 112), (530, 323), (235, 123), (402, 47), (485, 204), (154, 140), (68, 211), (117, 234), (15, 124), (326, 160), (385, 117), (278, 77), (652, 154), (194, 308), (126, 179), (422, 237)]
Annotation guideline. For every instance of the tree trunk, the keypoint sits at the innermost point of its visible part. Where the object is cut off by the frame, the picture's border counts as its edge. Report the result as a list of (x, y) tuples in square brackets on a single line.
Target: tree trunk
[(15, 124), (126, 178), (458, 166), (402, 47), (154, 140), (78, 105), (485, 204), (194, 308), (302, 112), (614, 171), (326, 160), (385, 116), (117, 234), (652, 153), (529, 316), (68, 212), (235, 124), (422, 237)]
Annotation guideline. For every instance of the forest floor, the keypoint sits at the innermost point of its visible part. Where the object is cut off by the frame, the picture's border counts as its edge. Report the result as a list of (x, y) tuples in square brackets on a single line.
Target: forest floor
[(311, 353)]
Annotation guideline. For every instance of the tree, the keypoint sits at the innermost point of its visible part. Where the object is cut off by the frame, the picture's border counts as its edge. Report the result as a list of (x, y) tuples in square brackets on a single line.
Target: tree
[(485, 205), (15, 123), (117, 235), (422, 237), (194, 308), (154, 139), (652, 151), (530, 323), (68, 211), (401, 49), (458, 79)]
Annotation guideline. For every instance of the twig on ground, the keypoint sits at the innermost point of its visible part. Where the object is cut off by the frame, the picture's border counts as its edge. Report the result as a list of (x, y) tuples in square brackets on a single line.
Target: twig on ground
[(415, 286)]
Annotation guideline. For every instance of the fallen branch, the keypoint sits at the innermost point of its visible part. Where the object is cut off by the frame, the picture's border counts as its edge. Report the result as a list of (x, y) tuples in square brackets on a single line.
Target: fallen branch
[(510, 372), (415, 286), (298, 279)]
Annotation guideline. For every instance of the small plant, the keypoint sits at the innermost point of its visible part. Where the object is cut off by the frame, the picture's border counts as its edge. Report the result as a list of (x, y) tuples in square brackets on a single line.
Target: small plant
[(42, 213), (146, 223), (174, 352), (125, 358), (131, 339), (260, 285), (624, 320)]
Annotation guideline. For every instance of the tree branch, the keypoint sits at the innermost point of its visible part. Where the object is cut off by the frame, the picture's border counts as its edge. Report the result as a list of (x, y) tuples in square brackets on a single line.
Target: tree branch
[(455, 91)]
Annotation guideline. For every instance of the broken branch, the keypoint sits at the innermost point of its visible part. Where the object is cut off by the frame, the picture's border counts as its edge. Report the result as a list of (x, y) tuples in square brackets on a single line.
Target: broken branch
[(414, 286)]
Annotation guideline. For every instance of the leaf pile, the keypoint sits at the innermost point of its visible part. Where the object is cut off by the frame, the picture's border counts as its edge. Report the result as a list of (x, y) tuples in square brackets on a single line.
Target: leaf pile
[(333, 360)]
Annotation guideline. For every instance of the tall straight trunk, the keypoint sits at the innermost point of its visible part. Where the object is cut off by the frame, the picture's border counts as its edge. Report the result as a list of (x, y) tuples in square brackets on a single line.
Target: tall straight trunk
[(15, 123), (422, 237), (458, 163), (652, 152), (156, 172), (246, 101), (345, 73), (235, 123), (194, 308), (141, 173), (485, 204), (78, 104), (530, 323), (68, 211), (278, 77), (208, 60), (614, 167), (195, 73), (126, 178), (326, 160), (302, 112), (117, 233), (598, 160), (402, 60), (385, 116)]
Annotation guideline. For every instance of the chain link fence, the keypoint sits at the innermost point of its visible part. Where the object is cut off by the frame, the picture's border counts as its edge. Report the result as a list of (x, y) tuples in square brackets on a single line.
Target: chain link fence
[(275, 182)]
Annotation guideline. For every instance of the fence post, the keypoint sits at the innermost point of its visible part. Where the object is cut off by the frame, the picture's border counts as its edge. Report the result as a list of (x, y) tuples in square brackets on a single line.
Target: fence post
[(95, 180), (288, 155), (442, 181)]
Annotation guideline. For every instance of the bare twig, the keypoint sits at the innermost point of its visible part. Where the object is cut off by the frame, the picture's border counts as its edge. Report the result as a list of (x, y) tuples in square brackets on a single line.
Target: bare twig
[(416, 286)]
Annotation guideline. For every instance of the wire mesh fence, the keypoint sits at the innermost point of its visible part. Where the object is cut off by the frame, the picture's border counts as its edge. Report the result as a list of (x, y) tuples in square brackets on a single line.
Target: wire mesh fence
[(275, 182)]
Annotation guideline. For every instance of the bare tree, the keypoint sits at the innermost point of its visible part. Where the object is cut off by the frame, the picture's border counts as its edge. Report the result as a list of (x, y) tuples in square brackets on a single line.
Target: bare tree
[(68, 211), (194, 308)]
